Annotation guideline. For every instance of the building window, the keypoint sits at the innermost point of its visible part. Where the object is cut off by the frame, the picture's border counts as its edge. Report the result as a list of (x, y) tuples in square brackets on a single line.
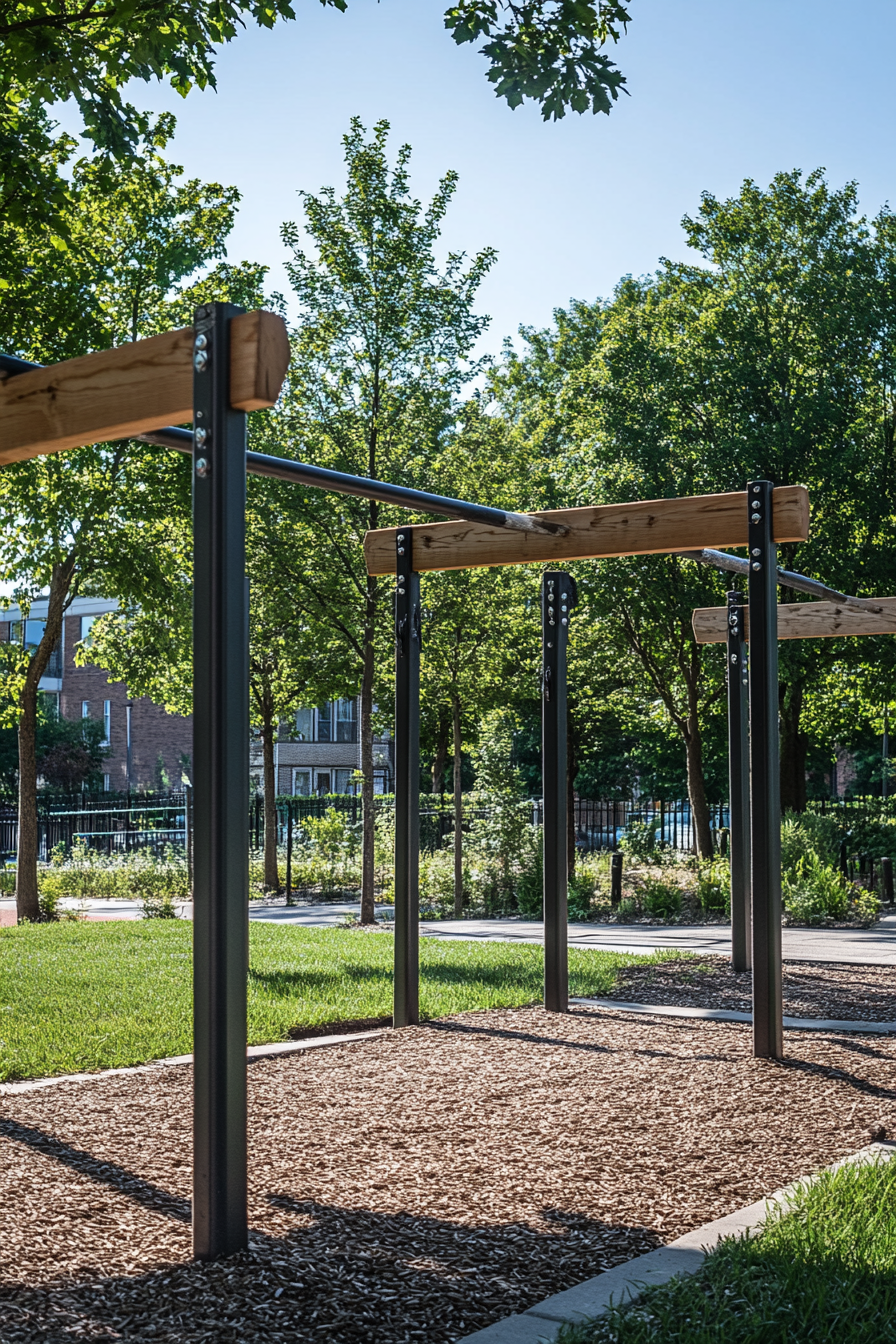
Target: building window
[(305, 725), (106, 783), (346, 720), (325, 723), (85, 709), (345, 781), (322, 782), (301, 782), (107, 722), (86, 626), (382, 781)]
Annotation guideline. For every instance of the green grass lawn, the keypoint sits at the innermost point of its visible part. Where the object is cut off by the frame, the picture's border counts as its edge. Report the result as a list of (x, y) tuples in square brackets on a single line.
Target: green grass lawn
[(103, 995), (823, 1273)]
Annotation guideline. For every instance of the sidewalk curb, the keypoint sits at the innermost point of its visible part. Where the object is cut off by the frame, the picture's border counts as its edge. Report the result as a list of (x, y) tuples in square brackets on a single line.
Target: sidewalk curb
[(253, 1052), (732, 1015), (541, 1323)]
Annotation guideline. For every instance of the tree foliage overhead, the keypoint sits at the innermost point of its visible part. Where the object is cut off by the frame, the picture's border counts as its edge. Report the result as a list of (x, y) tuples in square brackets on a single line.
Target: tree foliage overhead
[(53, 51)]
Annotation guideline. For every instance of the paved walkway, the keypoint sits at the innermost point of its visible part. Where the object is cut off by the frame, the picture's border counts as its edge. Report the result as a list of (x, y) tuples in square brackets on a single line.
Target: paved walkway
[(860, 947)]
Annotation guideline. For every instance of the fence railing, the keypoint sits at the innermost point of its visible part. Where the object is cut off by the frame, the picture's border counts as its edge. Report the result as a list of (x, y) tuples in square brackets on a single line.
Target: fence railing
[(114, 824)]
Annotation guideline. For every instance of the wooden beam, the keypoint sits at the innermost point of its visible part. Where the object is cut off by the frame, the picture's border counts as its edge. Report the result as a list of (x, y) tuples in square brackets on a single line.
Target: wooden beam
[(644, 528), (133, 389), (804, 620)]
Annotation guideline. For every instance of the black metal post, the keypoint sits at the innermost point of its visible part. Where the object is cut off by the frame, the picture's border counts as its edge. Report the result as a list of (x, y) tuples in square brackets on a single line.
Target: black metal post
[(220, 800), (558, 597), (886, 872), (739, 783), (615, 879), (406, 1002), (188, 833), (765, 802), (289, 853)]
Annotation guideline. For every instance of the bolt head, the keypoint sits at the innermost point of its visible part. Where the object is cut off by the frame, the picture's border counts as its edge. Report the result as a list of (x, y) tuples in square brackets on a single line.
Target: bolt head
[(734, 657), (202, 467), (401, 550), (400, 536), (755, 551), (200, 361), (755, 489), (199, 436), (756, 518), (756, 564), (563, 621)]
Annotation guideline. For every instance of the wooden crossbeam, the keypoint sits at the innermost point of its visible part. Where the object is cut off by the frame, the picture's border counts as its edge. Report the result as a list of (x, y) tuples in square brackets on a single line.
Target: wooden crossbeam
[(804, 620), (134, 389), (646, 527)]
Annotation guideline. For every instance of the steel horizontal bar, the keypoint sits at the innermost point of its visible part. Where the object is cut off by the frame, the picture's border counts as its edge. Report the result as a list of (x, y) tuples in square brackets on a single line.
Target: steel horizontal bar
[(787, 578), (322, 478)]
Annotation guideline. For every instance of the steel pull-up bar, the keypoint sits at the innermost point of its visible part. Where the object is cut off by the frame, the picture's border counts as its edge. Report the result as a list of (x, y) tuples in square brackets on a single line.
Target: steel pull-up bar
[(303, 473), (786, 578)]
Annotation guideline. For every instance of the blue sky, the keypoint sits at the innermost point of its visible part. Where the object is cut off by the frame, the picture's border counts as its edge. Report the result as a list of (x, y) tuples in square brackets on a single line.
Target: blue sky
[(719, 91)]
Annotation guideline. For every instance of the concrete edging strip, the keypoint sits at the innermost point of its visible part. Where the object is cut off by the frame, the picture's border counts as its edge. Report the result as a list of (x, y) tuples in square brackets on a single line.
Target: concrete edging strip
[(732, 1015), (253, 1052), (541, 1323)]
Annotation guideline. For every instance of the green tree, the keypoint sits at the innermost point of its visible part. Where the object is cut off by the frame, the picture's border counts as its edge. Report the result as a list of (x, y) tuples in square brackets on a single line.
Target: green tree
[(380, 351), (104, 519), (52, 52)]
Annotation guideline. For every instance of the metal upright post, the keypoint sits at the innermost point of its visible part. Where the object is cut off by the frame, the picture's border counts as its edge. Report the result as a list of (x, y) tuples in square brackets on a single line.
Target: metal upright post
[(765, 801), (558, 597), (220, 799), (739, 783), (406, 1001)]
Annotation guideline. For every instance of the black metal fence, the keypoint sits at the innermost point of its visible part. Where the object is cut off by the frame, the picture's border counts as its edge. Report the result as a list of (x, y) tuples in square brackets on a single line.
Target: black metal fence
[(117, 825), (122, 823)]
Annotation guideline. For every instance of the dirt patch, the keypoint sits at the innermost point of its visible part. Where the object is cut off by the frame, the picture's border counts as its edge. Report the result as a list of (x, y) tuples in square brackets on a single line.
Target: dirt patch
[(811, 989), (417, 1186)]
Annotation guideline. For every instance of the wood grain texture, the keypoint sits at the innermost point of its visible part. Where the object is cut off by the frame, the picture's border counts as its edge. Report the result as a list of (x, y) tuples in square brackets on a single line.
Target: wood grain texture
[(646, 527), (133, 389), (259, 358), (803, 620)]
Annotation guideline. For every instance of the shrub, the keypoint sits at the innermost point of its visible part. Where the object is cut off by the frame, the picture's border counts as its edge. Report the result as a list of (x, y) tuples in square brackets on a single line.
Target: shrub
[(713, 888), (660, 898), (639, 841)]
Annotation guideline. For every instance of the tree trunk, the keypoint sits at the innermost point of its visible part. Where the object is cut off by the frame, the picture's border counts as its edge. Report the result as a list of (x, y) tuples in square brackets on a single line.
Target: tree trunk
[(458, 815), (793, 748), (268, 736), (441, 756), (368, 912), (27, 902), (697, 784)]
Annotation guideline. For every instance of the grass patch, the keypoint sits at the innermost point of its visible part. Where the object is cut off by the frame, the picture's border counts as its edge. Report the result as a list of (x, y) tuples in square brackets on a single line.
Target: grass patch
[(823, 1271), (75, 997)]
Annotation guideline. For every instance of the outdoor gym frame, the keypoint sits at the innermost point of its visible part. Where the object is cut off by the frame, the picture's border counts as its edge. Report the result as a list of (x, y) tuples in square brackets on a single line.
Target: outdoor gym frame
[(753, 747), (212, 374)]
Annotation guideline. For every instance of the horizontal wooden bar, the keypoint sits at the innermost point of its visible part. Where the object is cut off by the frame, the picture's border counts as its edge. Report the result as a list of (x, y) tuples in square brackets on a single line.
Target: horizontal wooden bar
[(646, 527), (133, 389), (804, 620)]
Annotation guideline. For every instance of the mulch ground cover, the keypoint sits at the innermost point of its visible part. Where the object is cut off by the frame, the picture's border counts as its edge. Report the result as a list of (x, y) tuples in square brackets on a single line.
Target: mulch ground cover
[(846, 993), (417, 1186)]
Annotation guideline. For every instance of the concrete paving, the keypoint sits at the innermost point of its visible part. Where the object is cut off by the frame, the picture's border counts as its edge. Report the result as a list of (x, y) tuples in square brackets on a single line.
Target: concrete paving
[(859, 947)]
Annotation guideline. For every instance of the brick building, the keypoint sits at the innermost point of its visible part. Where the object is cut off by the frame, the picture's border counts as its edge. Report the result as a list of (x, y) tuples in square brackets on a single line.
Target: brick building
[(147, 747), (319, 752)]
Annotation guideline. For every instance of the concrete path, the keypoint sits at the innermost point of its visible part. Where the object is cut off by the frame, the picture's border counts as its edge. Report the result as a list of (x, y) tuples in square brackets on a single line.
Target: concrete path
[(860, 947)]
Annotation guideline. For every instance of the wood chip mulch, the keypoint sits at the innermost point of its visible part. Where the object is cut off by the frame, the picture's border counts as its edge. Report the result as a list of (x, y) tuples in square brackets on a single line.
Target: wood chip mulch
[(845, 993), (418, 1186)]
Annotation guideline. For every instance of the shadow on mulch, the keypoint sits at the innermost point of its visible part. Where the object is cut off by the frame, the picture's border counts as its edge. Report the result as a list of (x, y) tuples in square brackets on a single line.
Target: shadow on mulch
[(342, 1275)]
